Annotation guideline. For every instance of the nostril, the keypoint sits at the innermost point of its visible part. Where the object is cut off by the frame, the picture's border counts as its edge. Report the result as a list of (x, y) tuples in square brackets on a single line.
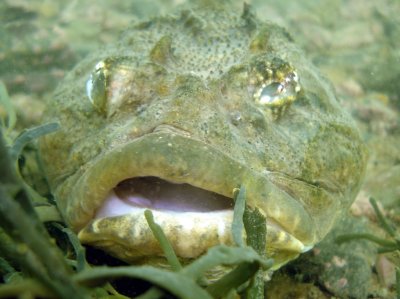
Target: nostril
[(171, 129)]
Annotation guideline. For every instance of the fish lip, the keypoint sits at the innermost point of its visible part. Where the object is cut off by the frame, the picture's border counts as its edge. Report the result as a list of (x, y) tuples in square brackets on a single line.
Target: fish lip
[(181, 229), (191, 234), (218, 173)]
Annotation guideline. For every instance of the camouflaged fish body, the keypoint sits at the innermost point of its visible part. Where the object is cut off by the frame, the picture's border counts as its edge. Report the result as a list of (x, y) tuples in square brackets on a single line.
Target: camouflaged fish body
[(182, 110)]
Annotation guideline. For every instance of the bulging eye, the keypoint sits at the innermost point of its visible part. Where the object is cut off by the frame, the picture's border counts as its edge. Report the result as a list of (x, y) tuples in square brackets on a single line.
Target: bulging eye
[(278, 92), (271, 93), (96, 87), (110, 84)]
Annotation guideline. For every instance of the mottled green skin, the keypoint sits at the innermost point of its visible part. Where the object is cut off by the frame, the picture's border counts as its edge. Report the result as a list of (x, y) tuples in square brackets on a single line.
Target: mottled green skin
[(187, 111)]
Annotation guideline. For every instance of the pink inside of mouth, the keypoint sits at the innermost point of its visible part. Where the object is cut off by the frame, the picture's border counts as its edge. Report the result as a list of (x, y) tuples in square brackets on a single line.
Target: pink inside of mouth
[(157, 194)]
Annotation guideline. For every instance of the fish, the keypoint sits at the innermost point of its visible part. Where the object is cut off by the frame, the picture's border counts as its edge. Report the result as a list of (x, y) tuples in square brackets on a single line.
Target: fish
[(179, 113)]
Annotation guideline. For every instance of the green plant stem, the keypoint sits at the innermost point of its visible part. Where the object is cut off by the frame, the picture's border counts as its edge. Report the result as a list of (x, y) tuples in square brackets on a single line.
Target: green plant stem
[(80, 251), (233, 279), (366, 236), (7, 248), (48, 213), (7, 173), (174, 282), (42, 251), (31, 134), (5, 267), (34, 288), (237, 223), (5, 101), (224, 255), (163, 241), (114, 294), (256, 231), (153, 293), (34, 248), (386, 226), (398, 282), (388, 249)]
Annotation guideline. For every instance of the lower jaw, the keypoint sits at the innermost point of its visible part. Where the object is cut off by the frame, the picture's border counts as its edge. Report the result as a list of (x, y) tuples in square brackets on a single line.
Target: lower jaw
[(129, 237)]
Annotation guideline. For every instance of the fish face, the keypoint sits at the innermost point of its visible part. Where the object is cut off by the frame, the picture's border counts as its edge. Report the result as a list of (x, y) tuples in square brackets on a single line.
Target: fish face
[(183, 110)]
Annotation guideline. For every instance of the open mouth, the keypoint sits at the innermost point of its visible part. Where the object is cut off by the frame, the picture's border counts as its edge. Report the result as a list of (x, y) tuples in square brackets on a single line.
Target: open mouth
[(153, 193), (189, 186)]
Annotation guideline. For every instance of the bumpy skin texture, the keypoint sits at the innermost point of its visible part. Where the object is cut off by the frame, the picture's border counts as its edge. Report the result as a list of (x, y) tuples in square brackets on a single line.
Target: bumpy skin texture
[(180, 97)]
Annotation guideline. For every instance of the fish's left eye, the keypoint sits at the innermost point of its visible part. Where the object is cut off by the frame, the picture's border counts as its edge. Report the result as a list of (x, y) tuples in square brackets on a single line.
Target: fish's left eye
[(280, 92)]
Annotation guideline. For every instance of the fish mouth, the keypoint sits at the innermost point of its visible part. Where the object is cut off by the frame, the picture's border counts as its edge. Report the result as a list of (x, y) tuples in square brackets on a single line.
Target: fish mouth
[(188, 185), (157, 194)]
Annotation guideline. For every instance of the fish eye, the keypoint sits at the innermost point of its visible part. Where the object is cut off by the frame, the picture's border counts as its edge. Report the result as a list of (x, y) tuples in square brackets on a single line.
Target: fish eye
[(269, 94), (110, 84), (96, 87), (278, 92)]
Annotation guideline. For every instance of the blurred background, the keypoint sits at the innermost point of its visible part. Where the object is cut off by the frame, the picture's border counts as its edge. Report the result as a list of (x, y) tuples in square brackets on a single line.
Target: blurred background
[(355, 43)]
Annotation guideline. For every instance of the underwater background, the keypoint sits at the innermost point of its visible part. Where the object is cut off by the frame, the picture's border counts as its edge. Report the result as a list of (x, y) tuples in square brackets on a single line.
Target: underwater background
[(355, 43)]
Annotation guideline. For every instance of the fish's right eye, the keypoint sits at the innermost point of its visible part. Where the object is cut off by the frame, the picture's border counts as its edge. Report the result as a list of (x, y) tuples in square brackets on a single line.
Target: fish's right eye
[(96, 87)]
